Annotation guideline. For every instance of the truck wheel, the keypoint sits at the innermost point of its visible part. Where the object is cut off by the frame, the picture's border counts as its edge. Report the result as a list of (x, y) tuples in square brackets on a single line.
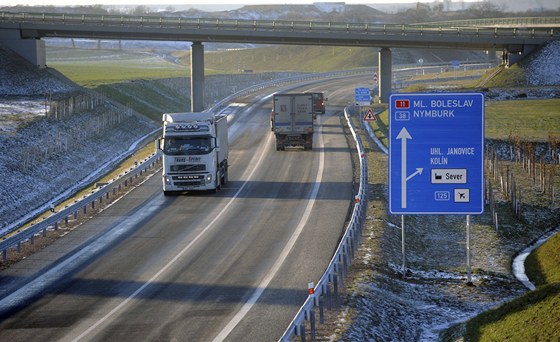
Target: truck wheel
[(225, 176)]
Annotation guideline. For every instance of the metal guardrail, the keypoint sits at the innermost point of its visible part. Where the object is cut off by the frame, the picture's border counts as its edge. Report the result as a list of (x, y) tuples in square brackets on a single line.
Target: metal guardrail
[(97, 198), (327, 287), (276, 25)]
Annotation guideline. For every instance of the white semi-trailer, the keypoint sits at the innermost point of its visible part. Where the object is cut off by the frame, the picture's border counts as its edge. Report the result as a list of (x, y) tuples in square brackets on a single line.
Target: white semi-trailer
[(195, 152), (291, 120)]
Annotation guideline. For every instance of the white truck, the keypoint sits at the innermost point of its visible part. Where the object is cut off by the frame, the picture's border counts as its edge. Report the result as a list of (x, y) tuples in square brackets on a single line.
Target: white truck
[(291, 120), (195, 152)]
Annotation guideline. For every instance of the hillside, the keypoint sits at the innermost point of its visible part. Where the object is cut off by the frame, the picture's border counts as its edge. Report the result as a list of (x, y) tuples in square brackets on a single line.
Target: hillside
[(53, 134), (320, 59), (539, 69)]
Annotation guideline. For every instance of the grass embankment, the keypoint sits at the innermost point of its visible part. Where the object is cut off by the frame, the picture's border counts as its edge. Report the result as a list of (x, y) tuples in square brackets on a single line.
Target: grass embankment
[(150, 98), (533, 317), (120, 170)]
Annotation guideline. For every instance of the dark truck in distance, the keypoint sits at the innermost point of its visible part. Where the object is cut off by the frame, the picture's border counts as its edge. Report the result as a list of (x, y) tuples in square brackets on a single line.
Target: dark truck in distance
[(318, 103)]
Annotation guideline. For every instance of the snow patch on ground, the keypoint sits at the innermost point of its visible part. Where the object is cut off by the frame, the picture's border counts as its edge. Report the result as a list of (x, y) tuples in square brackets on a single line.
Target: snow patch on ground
[(544, 68), (43, 157)]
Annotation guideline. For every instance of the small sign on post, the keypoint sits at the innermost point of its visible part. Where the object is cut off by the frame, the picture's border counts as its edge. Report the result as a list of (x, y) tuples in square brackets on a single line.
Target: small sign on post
[(369, 116), (362, 96)]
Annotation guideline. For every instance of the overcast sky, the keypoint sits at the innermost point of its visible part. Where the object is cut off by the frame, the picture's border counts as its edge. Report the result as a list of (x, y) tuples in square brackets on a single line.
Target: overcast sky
[(227, 3)]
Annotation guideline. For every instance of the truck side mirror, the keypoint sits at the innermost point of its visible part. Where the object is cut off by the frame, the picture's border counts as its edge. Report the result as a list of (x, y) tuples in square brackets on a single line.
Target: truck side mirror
[(158, 144)]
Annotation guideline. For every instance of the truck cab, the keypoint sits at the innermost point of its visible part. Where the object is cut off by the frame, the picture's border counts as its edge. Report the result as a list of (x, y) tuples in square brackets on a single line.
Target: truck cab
[(195, 151)]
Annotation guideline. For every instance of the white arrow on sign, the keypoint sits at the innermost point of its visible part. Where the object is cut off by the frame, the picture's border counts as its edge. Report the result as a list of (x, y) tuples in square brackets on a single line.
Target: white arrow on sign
[(404, 135), (418, 172)]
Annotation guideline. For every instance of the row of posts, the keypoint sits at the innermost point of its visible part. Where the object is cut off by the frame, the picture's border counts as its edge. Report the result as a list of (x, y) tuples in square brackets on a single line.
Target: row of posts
[(335, 277), (97, 202), (327, 297)]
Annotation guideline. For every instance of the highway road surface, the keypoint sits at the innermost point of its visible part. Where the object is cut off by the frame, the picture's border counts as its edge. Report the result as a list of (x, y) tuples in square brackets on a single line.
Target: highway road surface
[(229, 266)]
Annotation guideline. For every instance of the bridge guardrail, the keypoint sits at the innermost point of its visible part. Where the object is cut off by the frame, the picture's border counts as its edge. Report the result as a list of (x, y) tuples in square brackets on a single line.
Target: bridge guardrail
[(337, 269), (493, 22), (279, 25)]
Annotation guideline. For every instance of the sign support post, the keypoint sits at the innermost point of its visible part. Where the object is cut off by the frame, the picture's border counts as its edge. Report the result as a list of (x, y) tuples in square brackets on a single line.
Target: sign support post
[(469, 280), (402, 247)]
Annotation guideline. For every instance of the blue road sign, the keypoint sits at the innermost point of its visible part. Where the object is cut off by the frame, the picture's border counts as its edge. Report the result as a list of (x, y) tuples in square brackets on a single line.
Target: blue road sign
[(362, 95), (436, 153)]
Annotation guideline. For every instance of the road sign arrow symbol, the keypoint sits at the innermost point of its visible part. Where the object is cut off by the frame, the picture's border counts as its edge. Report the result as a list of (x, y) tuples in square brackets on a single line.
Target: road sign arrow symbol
[(403, 136), (418, 172)]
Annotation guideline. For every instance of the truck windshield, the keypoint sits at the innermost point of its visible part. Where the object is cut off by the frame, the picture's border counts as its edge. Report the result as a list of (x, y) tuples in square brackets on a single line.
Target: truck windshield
[(187, 145)]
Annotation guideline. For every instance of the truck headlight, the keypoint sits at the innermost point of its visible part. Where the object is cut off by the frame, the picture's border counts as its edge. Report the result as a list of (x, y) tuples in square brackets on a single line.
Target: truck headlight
[(167, 179), (208, 178)]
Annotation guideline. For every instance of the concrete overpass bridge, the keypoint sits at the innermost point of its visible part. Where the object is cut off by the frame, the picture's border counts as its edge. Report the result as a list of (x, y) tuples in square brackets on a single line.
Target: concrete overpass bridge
[(22, 32)]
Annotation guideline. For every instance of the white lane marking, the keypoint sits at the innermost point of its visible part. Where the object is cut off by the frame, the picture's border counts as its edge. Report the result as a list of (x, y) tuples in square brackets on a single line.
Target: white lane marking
[(180, 254), (281, 258), (41, 284)]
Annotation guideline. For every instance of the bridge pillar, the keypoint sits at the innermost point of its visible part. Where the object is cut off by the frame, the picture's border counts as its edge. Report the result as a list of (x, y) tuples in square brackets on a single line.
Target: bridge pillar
[(197, 77), (385, 74), (33, 50)]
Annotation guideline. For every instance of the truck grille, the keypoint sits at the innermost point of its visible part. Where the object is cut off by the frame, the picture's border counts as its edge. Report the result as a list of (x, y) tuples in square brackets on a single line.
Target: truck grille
[(188, 168), (188, 180)]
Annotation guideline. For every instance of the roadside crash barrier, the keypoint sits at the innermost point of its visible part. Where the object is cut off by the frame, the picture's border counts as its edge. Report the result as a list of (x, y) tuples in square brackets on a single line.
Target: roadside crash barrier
[(325, 293), (73, 211)]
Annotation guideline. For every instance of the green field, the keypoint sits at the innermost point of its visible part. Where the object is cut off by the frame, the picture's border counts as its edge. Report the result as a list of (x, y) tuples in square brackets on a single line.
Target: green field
[(287, 58), (532, 120), (90, 68), (94, 74)]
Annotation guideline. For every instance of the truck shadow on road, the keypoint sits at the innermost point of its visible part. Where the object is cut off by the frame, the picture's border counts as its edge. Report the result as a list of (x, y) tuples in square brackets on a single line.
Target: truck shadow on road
[(328, 191)]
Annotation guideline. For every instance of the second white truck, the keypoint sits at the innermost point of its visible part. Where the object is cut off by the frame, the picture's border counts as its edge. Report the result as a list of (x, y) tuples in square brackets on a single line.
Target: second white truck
[(195, 152)]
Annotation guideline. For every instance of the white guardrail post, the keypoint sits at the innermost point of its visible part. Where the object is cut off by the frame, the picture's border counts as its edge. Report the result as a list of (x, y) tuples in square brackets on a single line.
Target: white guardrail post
[(338, 267)]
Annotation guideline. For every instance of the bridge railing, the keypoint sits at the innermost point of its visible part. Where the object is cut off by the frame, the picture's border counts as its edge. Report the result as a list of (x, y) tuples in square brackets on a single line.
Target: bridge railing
[(461, 28), (499, 22)]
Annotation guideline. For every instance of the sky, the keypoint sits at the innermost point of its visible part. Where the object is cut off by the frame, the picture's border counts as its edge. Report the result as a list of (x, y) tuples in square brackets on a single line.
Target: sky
[(227, 3)]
